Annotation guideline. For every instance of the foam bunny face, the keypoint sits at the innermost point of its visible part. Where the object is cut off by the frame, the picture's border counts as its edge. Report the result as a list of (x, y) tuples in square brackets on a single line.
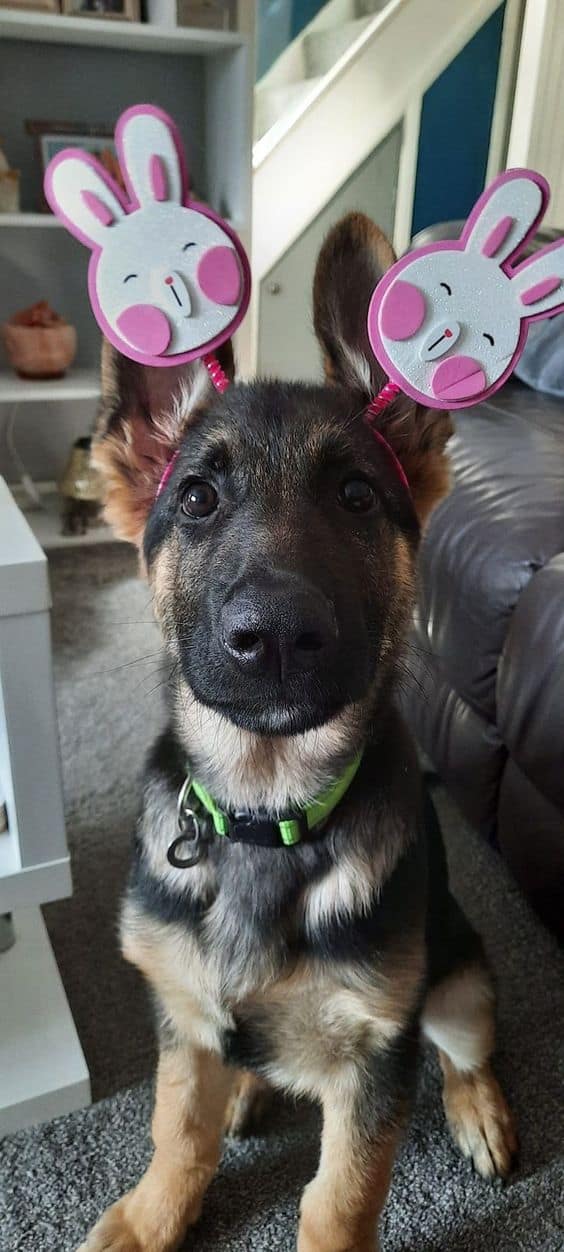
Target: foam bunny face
[(449, 321), (168, 280)]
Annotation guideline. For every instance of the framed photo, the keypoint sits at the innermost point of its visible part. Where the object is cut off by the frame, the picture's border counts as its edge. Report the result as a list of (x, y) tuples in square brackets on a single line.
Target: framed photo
[(33, 6), (120, 10), (52, 137)]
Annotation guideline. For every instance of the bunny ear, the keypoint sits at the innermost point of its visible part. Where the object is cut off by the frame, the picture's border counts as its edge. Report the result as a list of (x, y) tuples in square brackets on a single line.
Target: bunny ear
[(151, 155), (539, 283), (83, 196), (507, 212)]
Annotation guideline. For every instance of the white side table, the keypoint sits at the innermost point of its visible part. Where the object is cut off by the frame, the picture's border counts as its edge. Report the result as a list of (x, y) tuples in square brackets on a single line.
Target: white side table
[(42, 1068)]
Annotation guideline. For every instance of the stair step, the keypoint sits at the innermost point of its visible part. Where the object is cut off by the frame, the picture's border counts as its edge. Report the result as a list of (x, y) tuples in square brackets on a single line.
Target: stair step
[(271, 103), (369, 8), (323, 48)]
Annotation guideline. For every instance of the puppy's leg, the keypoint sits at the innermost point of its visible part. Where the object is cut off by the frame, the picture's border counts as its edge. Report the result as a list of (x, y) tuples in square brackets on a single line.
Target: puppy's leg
[(192, 1092), (459, 1017), (363, 1115), (250, 1098)]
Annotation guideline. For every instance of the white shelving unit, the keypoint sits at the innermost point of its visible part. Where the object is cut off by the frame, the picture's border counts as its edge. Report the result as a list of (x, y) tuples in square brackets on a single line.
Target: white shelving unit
[(42, 1068), (131, 36)]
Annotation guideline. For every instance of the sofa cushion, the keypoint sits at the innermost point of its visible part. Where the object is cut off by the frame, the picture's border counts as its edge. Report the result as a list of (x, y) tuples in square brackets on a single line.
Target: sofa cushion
[(464, 747), (503, 521), (530, 682)]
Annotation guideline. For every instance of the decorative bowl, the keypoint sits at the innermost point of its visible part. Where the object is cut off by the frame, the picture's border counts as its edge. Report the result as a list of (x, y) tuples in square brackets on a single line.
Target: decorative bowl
[(40, 351)]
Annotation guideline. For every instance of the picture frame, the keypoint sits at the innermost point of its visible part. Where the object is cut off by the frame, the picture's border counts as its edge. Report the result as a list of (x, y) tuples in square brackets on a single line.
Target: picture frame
[(51, 137), (110, 10), (32, 6)]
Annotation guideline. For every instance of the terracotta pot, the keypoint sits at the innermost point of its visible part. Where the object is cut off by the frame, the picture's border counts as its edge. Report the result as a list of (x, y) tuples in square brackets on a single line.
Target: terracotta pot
[(40, 351)]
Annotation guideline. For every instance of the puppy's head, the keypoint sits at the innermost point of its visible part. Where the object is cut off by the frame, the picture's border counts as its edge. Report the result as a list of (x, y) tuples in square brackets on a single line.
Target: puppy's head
[(281, 550)]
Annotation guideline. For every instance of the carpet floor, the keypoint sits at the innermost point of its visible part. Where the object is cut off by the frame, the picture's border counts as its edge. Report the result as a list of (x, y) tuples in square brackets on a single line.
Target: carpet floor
[(55, 1179)]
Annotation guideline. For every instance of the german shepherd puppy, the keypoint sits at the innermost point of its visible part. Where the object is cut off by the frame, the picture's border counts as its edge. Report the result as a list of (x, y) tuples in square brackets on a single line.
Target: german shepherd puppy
[(281, 554)]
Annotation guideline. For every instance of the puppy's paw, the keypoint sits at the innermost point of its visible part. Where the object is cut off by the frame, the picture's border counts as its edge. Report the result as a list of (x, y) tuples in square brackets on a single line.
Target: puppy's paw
[(247, 1106), (112, 1233), (481, 1121)]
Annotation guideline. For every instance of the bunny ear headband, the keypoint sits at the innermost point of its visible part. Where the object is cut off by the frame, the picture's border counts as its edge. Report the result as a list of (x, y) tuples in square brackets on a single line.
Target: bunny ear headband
[(169, 281), (448, 322)]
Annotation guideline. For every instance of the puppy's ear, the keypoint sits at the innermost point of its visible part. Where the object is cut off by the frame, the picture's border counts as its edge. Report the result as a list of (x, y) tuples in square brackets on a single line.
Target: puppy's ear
[(143, 415), (352, 260)]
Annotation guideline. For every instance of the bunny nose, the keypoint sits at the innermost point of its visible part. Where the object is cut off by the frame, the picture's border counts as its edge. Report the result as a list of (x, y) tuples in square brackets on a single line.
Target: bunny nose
[(440, 339), (169, 289)]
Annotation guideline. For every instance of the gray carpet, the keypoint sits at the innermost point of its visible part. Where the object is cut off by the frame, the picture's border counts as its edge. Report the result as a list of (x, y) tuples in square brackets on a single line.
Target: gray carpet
[(55, 1180)]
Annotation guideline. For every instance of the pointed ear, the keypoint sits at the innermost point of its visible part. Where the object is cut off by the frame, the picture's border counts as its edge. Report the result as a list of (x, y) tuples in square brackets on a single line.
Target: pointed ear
[(352, 260), (145, 412)]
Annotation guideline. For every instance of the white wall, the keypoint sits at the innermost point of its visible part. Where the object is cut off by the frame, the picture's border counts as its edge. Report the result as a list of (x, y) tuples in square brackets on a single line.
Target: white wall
[(287, 347), (536, 132)]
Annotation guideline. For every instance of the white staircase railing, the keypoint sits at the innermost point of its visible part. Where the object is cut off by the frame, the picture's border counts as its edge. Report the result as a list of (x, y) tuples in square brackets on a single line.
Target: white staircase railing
[(335, 118)]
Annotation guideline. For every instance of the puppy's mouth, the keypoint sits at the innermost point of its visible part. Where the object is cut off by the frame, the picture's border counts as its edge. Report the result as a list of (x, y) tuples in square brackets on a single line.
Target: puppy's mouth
[(277, 709)]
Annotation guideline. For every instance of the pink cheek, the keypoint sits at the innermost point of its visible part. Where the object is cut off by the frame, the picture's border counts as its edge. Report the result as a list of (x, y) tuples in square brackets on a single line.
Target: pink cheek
[(458, 378), (145, 328), (402, 311), (219, 275)]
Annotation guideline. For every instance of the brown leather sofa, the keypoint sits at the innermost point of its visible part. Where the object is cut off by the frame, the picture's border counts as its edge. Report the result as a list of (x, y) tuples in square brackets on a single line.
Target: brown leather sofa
[(487, 700)]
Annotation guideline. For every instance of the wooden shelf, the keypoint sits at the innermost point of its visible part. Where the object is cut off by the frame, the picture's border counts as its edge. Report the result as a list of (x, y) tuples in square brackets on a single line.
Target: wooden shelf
[(80, 384), (29, 219), (100, 33), (37, 221)]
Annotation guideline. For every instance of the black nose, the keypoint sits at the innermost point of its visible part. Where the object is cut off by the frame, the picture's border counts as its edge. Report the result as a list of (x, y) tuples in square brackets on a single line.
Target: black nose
[(282, 628)]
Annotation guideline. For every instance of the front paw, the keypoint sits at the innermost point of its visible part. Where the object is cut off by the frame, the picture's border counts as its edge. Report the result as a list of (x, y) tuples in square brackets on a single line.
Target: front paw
[(112, 1233), (144, 1222)]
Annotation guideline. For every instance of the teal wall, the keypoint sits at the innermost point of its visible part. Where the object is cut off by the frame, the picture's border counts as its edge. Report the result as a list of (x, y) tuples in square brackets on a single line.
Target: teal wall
[(455, 130)]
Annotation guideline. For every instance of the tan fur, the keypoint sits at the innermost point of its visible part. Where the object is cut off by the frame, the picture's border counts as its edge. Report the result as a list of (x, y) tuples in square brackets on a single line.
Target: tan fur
[(191, 1096), (459, 1017), (187, 983), (247, 771), (143, 415), (250, 1098), (479, 1118), (325, 1016), (341, 1206)]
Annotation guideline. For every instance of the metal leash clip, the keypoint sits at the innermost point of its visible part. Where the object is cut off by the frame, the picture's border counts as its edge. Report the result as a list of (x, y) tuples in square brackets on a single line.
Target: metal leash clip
[(189, 827)]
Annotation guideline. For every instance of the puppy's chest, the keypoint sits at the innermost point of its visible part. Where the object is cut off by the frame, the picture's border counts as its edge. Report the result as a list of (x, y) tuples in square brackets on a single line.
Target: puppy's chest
[(248, 970)]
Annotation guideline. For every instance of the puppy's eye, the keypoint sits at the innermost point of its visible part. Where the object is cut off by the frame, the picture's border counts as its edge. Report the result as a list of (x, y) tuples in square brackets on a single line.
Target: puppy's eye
[(487, 336), (446, 287), (199, 498), (356, 495), (126, 280)]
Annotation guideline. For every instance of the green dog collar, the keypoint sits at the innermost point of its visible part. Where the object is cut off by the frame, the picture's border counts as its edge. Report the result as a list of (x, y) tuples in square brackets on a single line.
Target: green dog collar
[(285, 830)]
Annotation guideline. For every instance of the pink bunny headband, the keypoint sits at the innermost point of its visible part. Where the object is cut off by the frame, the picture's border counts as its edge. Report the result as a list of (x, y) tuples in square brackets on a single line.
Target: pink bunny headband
[(169, 280)]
